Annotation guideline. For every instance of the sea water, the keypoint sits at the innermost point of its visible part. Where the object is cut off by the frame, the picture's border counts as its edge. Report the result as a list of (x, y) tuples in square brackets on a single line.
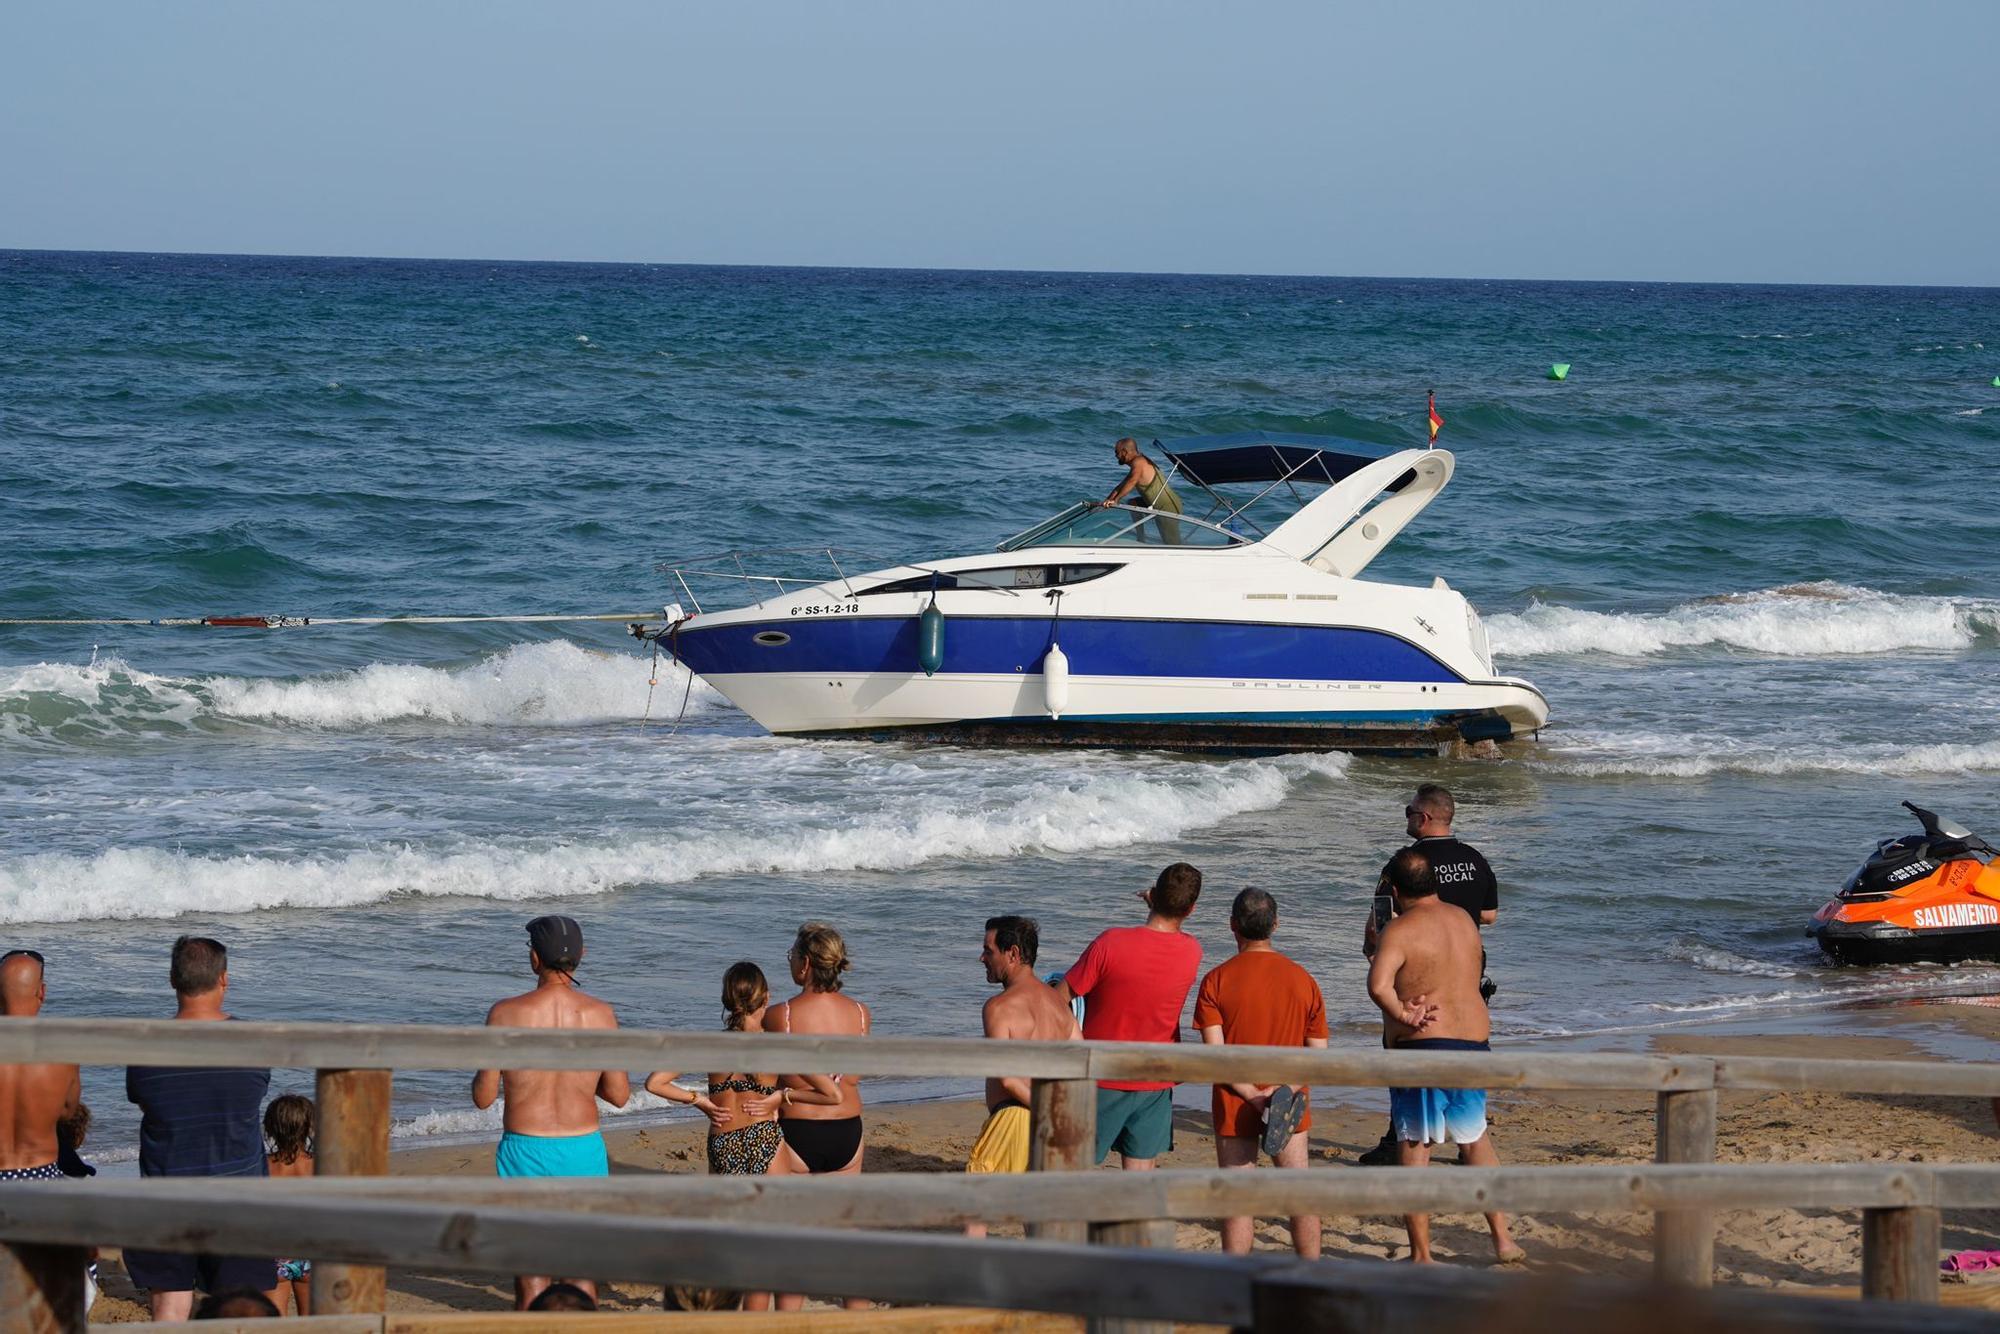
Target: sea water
[(1750, 549)]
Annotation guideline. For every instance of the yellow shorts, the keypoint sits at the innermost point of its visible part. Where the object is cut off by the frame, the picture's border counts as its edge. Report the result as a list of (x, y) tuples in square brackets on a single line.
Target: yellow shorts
[(1002, 1145)]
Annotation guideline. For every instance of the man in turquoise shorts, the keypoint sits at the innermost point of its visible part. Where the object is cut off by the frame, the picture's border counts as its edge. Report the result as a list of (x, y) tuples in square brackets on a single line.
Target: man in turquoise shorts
[(1425, 979), (551, 1115)]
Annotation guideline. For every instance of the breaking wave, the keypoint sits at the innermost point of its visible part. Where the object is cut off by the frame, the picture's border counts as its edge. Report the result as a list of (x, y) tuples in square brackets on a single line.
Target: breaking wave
[(1798, 620), (1656, 756), (1934, 981), (1116, 807), (466, 1122), (549, 683), (1711, 959)]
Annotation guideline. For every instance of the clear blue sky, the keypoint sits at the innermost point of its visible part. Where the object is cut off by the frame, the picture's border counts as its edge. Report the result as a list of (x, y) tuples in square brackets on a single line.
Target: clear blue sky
[(1759, 140)]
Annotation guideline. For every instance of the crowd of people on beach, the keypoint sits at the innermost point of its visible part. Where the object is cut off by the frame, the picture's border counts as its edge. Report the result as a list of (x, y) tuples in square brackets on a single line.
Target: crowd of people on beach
[(1130, 984), (194, 1122)]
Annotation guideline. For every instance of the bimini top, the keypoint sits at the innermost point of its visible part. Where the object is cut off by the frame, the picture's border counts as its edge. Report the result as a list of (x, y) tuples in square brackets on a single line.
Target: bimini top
[(1391, 485), (1272, 456)]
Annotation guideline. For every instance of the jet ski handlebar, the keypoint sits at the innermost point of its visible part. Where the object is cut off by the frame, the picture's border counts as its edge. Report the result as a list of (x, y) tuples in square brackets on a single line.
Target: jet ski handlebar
[(1936, 826)]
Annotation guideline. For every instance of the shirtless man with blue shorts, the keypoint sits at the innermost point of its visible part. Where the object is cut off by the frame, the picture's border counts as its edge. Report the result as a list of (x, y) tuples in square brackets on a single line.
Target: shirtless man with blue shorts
[(1425, 980), (551, 1115)]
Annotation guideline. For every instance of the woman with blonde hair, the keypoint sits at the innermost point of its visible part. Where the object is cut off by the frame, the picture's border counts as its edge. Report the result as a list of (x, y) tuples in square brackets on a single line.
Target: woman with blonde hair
[(820, 1138)]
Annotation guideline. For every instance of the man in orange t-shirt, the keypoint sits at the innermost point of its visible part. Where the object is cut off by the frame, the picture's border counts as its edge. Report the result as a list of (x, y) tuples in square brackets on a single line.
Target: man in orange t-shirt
[(1261, 999)]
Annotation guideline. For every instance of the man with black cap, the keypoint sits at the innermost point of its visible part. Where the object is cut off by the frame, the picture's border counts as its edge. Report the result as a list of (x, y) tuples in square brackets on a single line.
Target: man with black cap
[(551, 1115)]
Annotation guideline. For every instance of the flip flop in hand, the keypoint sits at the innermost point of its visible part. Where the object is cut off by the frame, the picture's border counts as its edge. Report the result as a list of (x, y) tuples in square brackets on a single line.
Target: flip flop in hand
[(1282, 1114)]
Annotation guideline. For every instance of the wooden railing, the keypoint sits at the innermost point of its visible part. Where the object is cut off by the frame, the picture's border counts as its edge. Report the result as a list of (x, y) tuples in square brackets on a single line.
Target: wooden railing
[(798, 1233)]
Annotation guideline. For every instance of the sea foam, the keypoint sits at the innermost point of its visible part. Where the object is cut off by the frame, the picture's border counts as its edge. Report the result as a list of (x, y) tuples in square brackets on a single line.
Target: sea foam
[(1652, 755), (1798, 620), (1110, 808), (550, 683), (470, 1122), (1712, 959)]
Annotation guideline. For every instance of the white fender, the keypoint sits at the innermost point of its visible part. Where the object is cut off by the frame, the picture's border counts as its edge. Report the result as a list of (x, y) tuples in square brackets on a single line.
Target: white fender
[(1055, 681)]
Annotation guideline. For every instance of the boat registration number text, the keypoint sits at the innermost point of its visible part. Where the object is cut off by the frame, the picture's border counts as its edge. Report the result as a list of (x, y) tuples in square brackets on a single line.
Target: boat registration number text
[(823, 609)]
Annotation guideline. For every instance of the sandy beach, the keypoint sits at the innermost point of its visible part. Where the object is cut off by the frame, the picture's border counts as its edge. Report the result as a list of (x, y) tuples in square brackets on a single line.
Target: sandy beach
[(1764, 1248)]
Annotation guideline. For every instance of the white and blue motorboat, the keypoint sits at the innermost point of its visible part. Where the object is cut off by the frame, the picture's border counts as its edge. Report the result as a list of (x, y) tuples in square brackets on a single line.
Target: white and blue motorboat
[(1238, 625)]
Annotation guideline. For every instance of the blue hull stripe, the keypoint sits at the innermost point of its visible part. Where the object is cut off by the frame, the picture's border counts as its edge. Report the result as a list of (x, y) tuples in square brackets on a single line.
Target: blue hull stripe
[(1356, 718), (1003, 645)]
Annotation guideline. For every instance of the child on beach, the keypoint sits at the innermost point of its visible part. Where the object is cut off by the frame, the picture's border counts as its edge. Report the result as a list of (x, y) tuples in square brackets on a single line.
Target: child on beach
[(71, 1132), (288, 1128)]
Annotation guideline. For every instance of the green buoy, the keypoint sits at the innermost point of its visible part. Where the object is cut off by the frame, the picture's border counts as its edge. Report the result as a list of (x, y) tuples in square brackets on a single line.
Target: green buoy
[(1559, 371), (1996, 382), (930, 638)]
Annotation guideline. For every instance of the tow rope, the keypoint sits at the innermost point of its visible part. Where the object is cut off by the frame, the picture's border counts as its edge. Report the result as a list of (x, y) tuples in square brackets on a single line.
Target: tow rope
[(296, 622)]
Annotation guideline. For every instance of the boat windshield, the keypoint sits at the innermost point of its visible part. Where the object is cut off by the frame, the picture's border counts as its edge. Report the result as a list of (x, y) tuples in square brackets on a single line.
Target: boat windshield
[(1087, 525)]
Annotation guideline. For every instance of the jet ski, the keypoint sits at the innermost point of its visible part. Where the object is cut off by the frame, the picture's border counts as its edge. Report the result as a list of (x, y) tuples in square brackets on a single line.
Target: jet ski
[(1933, 896)]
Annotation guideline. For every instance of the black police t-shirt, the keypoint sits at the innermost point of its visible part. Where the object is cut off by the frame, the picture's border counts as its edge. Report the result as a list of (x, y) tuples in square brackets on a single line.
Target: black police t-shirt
[(1463, 876)]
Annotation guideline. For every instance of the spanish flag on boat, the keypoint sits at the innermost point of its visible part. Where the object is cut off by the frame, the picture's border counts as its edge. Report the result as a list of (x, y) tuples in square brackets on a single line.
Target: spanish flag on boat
[(1436, 421)]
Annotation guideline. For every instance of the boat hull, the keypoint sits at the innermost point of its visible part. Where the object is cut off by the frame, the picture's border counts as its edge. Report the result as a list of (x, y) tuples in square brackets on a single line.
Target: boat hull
[(1241, 737), (1256, 688)]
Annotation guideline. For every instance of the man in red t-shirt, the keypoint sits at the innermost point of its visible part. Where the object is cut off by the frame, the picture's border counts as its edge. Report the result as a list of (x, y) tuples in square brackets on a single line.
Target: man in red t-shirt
[(1137, 979), (1260, 998)]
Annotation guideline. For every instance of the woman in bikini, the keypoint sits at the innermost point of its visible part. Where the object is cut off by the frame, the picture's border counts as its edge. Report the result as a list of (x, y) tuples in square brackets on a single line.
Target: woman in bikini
[(820, 1139), (742, 1107)]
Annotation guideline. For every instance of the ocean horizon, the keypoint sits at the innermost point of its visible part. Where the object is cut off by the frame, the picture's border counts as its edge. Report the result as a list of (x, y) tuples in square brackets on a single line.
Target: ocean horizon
[(976, 270)]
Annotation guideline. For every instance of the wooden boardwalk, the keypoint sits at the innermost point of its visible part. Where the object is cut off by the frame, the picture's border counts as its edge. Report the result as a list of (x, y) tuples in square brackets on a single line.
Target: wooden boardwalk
[(1100, 1244)]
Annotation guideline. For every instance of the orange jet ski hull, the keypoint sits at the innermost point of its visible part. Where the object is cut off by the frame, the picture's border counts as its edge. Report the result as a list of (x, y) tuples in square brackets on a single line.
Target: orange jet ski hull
[(1931, 897)]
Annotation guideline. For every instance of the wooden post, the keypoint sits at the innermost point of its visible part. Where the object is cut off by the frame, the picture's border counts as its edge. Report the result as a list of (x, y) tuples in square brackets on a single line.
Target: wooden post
[(351, 1138), (1899, 1254), (1684, 1239), (1062, 1138), (41, 1289), (1149, 1233)]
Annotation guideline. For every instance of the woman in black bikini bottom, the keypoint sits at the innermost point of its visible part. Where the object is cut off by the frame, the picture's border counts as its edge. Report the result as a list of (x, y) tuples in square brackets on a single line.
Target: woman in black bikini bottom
[(823, 1146), (818, 958), (818, 1141)]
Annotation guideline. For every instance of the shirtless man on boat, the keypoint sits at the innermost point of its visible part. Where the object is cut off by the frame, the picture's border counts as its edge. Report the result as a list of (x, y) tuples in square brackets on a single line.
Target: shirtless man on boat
[(551, 1115), (1144, 476)]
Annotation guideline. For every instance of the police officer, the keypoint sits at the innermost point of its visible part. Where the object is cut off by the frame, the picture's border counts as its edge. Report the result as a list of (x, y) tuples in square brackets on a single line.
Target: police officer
[(1464, 878)]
